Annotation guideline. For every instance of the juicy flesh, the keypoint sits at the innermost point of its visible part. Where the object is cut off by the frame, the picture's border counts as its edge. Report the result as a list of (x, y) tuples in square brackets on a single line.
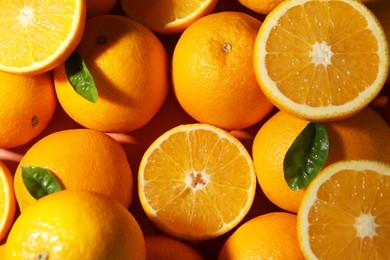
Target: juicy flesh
[(33, 30), (199, 183), (322, 53), (351, 218)]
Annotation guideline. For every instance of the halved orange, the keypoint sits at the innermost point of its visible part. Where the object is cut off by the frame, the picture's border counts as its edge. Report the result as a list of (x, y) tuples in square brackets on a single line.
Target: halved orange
[(196, 182), (37, 36), (345, 212), (321, 60), (7, 201), (167, 17)]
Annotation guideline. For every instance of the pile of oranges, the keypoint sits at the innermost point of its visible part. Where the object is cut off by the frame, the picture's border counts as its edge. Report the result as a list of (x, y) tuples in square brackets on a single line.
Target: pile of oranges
[(213, 129)]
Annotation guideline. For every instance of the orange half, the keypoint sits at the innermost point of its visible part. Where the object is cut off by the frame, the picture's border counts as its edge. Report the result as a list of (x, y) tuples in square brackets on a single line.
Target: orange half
[(36, 36), (196, 182), (345, 212), (321, 60), (7, 201)]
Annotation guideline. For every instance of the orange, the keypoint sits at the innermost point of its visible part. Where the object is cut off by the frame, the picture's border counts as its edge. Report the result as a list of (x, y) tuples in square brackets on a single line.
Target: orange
[(79, 159), (321, 60), (212, 71), (37, 36), (167, 18), (7, 201), (75, 225), (129, 66), (168, 248), (27, 104), (260, 6), (381, 9), (345, 212), (362, 136), (196, 182), (269, 236), (99, 7)]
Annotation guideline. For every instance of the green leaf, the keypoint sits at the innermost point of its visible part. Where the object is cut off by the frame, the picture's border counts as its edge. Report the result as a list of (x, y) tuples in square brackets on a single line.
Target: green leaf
[(80, 78), (306, 156), (39, 181)]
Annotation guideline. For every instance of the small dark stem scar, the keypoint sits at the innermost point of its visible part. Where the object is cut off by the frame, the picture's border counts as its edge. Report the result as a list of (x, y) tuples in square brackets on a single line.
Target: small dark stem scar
[(101, 40), (34, 121)]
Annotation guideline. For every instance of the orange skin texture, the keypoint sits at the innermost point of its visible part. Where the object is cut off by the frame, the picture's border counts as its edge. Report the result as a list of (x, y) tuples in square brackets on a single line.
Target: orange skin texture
[(129, 66), (212, 71), (90, 160)]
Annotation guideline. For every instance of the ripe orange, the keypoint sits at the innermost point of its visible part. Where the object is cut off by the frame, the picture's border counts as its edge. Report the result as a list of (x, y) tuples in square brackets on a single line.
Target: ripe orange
[(165, 247), (130, 69), (212, 71), (321, 60), (260, 6), (196, 182), (99, 7), (268, 236), (79, 159), (27, 104), (362, 136), (381, 9), (167, 18), (37, 36), (345, 212), (75, 225), (7, 201)]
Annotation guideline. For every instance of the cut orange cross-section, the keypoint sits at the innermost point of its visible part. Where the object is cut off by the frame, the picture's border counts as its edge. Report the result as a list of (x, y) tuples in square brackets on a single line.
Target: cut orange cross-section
[(167, 17), (345, 212), (196, 182), (36, 35), (321, 60), (7, 201)]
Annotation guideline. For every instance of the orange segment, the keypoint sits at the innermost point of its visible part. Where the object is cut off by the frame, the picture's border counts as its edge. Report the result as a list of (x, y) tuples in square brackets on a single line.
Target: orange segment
[(345, 212), (321, 60), (37, 36), (7, 201), (167, 18), (196, 182)]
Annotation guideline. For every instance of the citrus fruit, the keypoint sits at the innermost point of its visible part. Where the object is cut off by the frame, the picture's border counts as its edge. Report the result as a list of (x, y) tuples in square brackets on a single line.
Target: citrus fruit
[(381, 9), (99, 7), (79, 159), (362, 136), (212, 71), (260, 6), (321, 60), (2, 251), (345, 212), (129, 66), (27, 104), (166, 247), (269, 236), (196, 182), (75, 225), (167, 18), (7, 201), (37, 36)]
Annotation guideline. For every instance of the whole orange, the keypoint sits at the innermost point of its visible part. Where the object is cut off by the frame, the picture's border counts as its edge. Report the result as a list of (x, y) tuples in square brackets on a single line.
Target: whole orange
[(27, 104), (212, 71), (80, 224), (362, 136), (268, 236), (129, 66), (80, 159)]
